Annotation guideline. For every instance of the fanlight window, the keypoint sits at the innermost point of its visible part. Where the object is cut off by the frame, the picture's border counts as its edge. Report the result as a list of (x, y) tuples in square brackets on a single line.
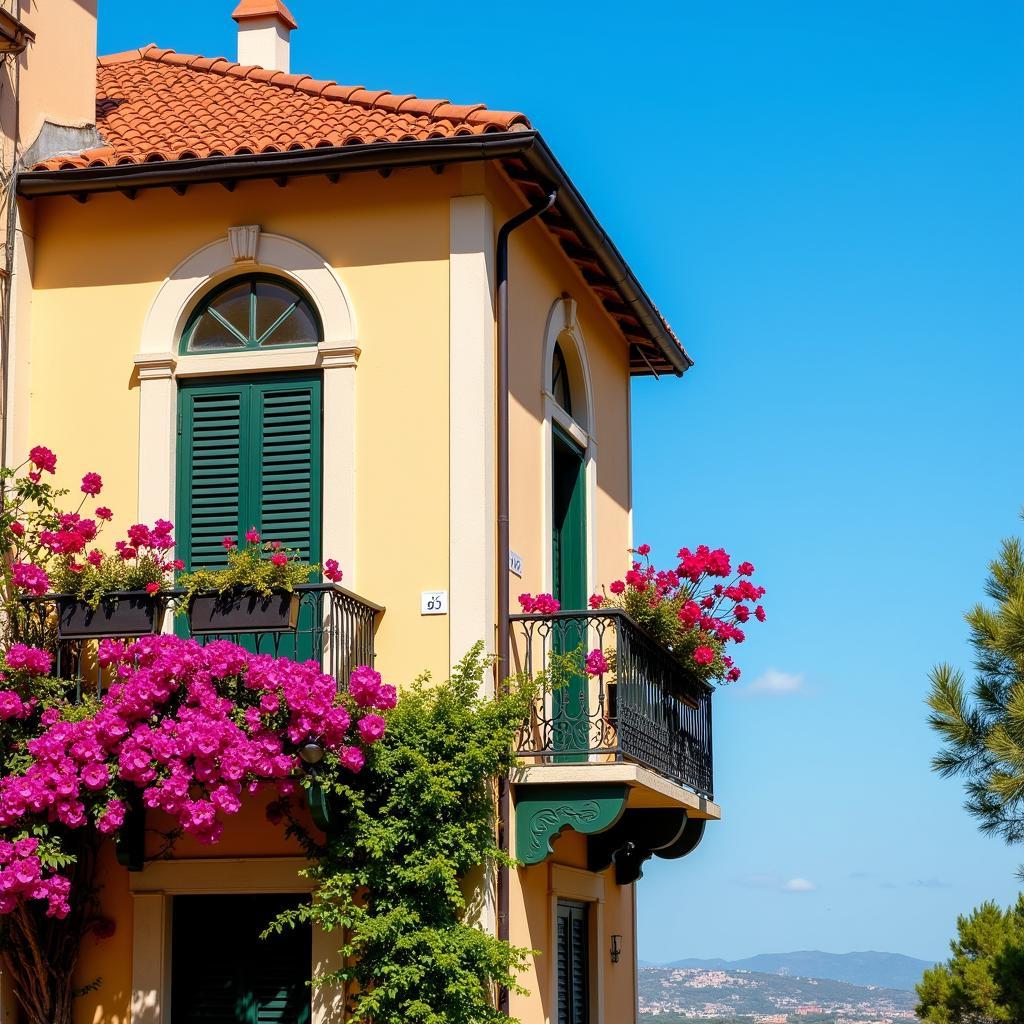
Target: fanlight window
[(560, 380), (254, 312)]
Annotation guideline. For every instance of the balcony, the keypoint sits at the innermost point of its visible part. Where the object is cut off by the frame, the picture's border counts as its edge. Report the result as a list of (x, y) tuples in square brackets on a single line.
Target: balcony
[(648, 710), (624, 757), (334, 625)]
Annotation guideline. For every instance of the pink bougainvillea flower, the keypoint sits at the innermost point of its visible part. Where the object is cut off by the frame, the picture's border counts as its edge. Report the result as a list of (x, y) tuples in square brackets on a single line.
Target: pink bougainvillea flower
[(228, 543), (27, 576), (703, 655), (43, 458), (104, 513), (92, 484), (331, 570), (759, 613), (644, 549), (745, 569), (252, 535), (32, 659), (596, 663), (371, 728), (353, 759)]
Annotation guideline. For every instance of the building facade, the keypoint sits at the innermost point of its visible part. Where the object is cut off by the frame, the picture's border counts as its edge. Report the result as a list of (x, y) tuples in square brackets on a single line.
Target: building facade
[(276, 300)]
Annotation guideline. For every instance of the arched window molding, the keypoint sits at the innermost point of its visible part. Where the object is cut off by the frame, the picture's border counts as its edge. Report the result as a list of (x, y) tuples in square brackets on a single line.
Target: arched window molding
[(243, 251), (563, 329)]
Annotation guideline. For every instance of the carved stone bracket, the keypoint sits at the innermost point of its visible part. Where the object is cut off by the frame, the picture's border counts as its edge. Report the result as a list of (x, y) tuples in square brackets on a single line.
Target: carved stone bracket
[(640, 834), (542, 812)]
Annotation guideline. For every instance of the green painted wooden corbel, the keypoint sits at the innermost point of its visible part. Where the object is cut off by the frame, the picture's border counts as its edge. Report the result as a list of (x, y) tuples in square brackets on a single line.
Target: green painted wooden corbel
[(543, 811)]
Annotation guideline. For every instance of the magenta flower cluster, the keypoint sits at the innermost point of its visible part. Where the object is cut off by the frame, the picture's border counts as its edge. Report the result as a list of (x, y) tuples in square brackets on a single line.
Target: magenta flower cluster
[(193, 728)]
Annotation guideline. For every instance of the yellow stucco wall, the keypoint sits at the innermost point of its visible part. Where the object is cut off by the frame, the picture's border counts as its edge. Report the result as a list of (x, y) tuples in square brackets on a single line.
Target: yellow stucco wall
[(97, 269)]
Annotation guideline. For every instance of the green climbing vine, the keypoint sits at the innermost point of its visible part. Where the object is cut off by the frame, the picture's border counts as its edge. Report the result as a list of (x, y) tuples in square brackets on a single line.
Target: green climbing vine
[(410, 833)]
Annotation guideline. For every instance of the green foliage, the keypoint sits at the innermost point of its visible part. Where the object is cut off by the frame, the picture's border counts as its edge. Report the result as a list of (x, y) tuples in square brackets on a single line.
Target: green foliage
[(411, 829), (249, 569), (90, 583), (983, 981), (983, 732)]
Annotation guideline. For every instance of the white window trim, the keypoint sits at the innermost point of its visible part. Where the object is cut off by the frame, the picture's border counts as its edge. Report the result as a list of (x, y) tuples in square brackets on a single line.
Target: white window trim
[(562, 322), (244, 250), (153, 890)]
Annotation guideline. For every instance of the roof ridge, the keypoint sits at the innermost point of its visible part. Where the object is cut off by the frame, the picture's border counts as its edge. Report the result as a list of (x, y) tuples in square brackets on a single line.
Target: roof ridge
[(359, 95)]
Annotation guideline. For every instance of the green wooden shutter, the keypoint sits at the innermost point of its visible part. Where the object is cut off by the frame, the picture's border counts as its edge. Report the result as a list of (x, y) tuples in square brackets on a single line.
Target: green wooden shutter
[(249, 455), (572, 957), (286, 422), (212, 475), (571, 729)]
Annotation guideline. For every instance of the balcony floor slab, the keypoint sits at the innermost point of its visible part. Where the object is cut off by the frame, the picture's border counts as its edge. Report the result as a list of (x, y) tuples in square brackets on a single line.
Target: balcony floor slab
[(646, 788)]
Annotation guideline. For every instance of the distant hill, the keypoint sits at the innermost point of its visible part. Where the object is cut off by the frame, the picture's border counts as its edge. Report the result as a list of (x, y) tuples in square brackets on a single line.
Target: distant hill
[(887, 970), (678, 995)]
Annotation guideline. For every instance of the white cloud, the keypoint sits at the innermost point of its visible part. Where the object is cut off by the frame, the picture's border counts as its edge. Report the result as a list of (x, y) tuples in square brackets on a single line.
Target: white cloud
[(775, 682), (799, 885)]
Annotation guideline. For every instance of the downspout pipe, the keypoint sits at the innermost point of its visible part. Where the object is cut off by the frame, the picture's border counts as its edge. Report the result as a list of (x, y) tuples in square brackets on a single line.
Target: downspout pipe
[(502, 445)]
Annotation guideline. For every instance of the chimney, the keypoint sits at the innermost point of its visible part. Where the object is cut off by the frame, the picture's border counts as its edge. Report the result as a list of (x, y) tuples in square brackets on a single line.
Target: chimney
[(263, 30)]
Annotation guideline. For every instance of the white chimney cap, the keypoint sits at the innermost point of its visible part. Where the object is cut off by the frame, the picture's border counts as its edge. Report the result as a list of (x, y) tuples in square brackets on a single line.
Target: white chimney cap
[(264, 27)]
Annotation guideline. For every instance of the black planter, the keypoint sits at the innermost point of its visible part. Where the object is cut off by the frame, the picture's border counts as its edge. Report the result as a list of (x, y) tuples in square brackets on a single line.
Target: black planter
[(243, 611), (129, 613)]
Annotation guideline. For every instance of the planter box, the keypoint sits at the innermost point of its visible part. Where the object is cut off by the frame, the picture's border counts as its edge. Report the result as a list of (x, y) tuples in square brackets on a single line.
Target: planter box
[(243, 611), (130, 613)]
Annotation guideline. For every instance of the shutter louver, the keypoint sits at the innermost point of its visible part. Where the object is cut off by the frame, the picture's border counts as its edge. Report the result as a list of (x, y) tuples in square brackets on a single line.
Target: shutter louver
[(289, 492), (572, 958), (214, 436)]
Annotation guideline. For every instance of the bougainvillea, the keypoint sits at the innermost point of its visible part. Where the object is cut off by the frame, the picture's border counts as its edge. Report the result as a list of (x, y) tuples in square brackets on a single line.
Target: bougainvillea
[(696, 608), (190, 729)]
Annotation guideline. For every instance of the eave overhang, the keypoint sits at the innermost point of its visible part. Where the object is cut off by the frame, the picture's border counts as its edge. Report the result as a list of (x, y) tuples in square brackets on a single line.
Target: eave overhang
[(524, 157)]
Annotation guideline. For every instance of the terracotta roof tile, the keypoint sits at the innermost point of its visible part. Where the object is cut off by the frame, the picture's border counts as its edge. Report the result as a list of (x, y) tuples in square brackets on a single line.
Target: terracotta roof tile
[(155, 104)]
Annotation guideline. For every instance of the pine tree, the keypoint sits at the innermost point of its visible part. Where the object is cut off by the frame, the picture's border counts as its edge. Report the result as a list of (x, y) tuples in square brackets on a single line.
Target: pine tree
[(984, 732), (982, 983)]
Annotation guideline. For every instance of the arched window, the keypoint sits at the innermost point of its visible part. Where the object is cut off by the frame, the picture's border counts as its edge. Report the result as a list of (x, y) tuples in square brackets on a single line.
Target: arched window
[(560, 389), (253, 312)]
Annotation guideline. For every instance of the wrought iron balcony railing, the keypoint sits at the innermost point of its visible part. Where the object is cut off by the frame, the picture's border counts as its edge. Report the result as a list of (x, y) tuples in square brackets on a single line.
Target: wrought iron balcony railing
[(647, 709), (333, 626)]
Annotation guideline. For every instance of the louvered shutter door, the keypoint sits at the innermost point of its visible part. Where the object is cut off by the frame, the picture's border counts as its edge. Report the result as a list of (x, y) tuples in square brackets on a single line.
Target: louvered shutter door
[(287, 435), (572, 958), (211, 477), (579, 957)]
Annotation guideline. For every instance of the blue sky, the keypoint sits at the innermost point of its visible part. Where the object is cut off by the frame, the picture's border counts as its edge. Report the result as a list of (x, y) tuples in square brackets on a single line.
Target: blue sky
[(826, 202)]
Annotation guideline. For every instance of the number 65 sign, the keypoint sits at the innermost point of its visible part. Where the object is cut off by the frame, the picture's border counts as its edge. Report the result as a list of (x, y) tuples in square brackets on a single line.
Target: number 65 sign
[(434, 602)]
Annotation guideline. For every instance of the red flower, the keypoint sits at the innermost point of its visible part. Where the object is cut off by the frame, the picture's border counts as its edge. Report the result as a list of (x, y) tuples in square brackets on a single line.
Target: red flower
[(596, 600), (152, 588), (617, 587), (279, 558), (92, 484), (331, 570), (43, 458), (228, 543), (644, 549), (703, 655), (17, 529), (252, 535), (759, 613), (95, 557), (746, 569)]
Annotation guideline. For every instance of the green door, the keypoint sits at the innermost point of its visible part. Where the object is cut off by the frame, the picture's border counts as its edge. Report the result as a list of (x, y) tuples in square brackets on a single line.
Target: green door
[(573, 962), (222, 972), (571, 729), (249, 455)]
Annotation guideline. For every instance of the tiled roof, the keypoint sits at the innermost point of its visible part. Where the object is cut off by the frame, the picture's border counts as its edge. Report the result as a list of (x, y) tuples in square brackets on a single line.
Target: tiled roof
[(154, 104)]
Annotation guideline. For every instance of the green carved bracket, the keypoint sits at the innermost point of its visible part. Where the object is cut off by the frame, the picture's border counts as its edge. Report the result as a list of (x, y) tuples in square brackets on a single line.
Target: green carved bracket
[(543, 811)]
